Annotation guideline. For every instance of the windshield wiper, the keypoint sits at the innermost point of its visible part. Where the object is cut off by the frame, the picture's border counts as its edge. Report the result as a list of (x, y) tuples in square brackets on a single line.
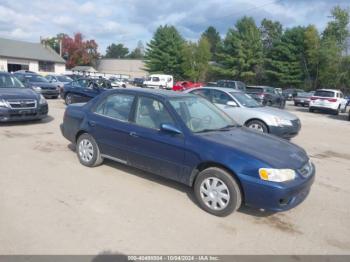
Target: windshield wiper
[(224, 128)]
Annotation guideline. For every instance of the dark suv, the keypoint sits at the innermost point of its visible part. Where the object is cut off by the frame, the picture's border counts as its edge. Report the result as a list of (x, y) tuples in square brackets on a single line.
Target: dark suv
[(39, 84), (18, 103), (266, 95)]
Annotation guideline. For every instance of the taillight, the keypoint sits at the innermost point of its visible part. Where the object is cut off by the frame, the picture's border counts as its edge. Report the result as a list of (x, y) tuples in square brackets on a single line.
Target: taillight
[(261, 95), (313, 98), (332, 100)]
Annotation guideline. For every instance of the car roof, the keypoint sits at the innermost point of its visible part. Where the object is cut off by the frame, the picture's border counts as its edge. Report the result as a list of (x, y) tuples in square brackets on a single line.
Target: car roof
[(225, 89), (4, 73), (332, 90), (157, 92)]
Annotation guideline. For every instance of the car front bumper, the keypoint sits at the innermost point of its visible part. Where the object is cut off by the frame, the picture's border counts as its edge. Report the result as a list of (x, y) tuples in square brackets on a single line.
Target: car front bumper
[(286, 131), (49, 93), (272, 196), (11, 115)]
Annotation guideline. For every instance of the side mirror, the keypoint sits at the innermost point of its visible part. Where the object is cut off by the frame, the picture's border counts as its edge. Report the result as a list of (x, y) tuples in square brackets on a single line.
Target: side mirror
[(170, 128), (232, 103)]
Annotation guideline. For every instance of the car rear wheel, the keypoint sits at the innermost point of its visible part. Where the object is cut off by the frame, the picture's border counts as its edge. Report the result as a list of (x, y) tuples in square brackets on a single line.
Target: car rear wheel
[(88, 151), (337, 111), (69, 99), (257, 125), (217, 192)]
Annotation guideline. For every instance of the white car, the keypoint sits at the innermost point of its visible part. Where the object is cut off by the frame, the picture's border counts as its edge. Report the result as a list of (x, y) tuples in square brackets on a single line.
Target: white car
[(328, 100), (159, 81), (118, 82), (246, 111)]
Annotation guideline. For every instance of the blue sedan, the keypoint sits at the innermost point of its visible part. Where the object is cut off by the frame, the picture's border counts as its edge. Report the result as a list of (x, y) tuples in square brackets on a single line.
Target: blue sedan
[(187, 139)]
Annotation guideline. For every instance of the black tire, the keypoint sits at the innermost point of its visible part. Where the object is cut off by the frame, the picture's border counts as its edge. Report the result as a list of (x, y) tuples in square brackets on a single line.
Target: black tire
[(55, 97), (269, 103), (311, 110), (234, 191), (69, 99), (96, 158), (257, 123), (336, 112), (296, 104)]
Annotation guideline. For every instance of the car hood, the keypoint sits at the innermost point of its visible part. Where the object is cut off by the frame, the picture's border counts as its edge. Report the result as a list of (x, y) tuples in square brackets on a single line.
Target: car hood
[(17, 93), (42, 84), (271, 150), (276, 112)]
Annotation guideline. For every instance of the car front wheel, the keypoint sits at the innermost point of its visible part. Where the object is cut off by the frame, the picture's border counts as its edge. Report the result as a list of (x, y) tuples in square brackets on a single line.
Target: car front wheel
[(217, 192), (257, 125), (88, 151), (69, 99)]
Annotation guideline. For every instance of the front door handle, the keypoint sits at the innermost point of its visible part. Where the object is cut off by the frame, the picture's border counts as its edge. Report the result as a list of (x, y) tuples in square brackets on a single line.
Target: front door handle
[(92, 123), (133, 134)]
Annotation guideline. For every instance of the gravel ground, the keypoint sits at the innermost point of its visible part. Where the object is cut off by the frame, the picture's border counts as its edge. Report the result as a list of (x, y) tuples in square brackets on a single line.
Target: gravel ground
[(51, 204)]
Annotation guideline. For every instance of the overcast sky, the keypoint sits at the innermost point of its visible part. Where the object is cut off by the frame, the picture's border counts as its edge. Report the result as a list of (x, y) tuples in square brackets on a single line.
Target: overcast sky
[(127, 21)]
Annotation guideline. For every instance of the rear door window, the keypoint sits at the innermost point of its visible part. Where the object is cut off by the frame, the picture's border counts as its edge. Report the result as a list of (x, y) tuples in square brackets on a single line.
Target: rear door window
[(205, 93), (116, 106)]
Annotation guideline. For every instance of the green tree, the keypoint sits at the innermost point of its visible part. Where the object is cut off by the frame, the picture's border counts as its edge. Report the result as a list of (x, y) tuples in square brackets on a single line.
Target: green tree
[(116, 51), (241, 55), (271, 33), (196, 59), (338, 27), (164, 53), (213, 38), (55, 42), (138, 52), (284, 63), (311, 58)]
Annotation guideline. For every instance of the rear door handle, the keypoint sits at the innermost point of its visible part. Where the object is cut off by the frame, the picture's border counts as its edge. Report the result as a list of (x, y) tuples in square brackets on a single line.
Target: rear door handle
[(92, 123), (133, 134)]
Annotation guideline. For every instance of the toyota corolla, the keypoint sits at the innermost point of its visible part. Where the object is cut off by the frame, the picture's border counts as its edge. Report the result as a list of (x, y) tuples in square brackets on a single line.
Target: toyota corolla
[(187, 139)]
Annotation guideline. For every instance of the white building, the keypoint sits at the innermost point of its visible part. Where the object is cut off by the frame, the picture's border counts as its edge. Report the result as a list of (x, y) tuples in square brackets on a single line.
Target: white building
[(19, 55)]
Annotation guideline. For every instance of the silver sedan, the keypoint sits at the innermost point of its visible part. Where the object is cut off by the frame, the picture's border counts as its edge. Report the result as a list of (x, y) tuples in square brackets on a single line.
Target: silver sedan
[(248, 112)]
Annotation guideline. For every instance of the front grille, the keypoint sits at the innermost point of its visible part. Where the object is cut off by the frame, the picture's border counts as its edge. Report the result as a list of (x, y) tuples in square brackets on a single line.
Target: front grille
[(22, 103), (306, 170)]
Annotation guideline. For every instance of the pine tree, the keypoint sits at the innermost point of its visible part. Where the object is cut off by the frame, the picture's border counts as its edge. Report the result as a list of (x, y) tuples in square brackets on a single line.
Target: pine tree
[(241, 56), (164, 53)]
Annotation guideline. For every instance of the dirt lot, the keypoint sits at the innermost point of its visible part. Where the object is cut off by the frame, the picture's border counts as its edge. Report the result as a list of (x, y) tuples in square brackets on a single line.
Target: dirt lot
[(51, 204)]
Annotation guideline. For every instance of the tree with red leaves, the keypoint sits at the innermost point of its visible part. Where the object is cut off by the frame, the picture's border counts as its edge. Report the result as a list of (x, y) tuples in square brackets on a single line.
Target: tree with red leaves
[(76, 51)]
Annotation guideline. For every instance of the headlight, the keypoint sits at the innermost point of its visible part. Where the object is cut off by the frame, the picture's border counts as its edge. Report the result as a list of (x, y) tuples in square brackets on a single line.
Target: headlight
[(36, 88), (42, 100), (281, 122), (276, 175), (4, 103)]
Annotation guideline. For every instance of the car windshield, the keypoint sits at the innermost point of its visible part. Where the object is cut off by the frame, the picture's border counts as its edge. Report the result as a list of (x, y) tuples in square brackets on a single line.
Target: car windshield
[(324, 93), (245, 100), (64, 79), (304, 94), (9, 81), (199, 115), (36, 78)]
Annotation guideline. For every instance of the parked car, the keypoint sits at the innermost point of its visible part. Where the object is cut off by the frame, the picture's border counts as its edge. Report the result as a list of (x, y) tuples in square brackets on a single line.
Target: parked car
[(266, 95), (184, 85), (18, 103), (290, 93), (246, 111), (39, 84), (84, 89), (74, 76), (117, 82), (303, 98), (59, 80), (138, 81), (159, 81), (231, 84), (328, 100), (187, 139)]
